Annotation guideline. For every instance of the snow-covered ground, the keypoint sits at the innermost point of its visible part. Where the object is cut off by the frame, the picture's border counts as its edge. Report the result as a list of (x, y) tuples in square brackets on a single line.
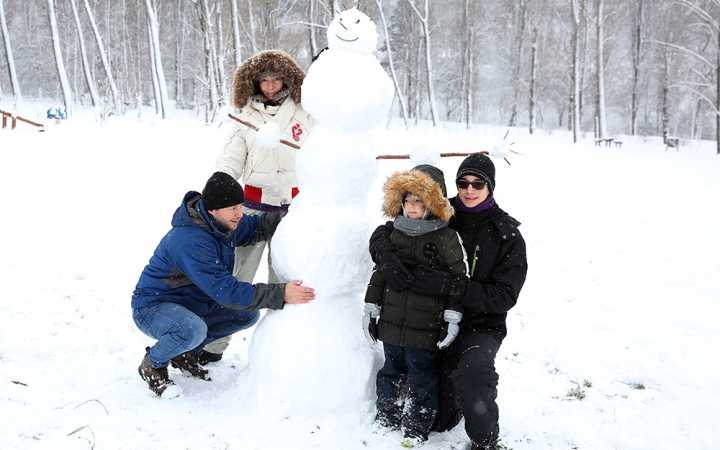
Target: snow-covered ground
[(614, 343)]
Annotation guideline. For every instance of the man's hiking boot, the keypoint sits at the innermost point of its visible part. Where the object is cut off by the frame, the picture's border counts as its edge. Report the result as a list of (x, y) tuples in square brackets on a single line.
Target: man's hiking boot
[(205, 357), (188, 363), (157, 379)]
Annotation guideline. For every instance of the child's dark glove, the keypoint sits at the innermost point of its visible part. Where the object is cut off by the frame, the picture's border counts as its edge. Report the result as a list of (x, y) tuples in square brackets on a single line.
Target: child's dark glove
[(393, 267), (429, 281)]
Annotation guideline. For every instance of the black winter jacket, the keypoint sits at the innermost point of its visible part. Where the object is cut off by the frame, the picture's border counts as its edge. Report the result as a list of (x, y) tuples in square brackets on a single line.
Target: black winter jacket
[(497, 261), (409, 319)]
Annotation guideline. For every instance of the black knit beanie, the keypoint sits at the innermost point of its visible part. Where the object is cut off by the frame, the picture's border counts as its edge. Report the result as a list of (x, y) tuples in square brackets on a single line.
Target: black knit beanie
[(480, 166), (436, 174), (221, 191)]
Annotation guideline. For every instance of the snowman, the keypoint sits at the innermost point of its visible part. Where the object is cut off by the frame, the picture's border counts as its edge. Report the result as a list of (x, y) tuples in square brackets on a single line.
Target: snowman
[(314, 356)]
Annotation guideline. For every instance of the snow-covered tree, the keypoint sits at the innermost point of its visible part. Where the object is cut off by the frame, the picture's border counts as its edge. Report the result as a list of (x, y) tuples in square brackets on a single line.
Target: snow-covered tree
[(423, 17), (92, 88), (59, 63), (10, 59), (162, 97), (103, 57)]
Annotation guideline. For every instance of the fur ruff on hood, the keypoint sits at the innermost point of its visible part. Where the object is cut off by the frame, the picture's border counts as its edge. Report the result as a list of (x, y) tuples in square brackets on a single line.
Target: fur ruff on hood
[(276, 61), (420, 184)]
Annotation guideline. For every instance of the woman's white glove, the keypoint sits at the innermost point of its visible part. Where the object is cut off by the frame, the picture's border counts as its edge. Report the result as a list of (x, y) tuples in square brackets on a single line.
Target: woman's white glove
[(451, 330), (369, 322)]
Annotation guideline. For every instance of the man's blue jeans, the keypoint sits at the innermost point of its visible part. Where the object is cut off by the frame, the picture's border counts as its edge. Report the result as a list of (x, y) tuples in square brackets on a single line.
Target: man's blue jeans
[(178, 330)]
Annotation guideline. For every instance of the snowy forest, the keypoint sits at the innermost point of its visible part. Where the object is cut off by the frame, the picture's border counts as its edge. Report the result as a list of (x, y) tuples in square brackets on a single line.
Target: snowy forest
[(605, 67)]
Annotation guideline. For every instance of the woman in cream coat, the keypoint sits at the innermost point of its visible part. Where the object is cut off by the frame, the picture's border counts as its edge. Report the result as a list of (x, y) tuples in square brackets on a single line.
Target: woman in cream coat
[(266, 87)]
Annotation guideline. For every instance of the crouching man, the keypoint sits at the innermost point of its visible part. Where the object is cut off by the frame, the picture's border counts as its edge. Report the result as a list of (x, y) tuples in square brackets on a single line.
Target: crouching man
[(187, 296)]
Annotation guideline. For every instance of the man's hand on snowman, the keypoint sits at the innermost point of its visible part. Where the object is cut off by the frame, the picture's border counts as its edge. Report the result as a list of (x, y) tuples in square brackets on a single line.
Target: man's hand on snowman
[(369, 322), (269, 135), (295, 293), (451, 328)]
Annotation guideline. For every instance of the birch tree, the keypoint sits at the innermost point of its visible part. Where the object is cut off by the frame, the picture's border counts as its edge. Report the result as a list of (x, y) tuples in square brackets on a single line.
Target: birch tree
[(423, 18), (156, 59), (533, 80), (211, 100), (103, 57), (92, 88), (398, 89), (468, 62), (709, 19), (10, 60), (600, 79), (637, 58), (59, 63), (516, 81), (575, 79), (237, 46)]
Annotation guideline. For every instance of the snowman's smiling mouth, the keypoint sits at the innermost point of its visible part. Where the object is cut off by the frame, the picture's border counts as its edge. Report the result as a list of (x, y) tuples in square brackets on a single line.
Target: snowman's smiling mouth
[(346, 40)]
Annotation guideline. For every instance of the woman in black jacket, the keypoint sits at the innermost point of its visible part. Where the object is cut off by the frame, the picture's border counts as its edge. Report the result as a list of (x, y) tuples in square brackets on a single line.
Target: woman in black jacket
[(498, 267)]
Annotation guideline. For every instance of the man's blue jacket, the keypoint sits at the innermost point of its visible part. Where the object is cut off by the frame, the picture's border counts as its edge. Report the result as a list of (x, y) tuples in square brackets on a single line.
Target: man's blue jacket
[(193, 264)]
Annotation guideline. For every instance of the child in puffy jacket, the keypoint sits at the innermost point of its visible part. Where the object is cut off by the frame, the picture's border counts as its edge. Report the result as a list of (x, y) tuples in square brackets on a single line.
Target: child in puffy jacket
[(412, 326)]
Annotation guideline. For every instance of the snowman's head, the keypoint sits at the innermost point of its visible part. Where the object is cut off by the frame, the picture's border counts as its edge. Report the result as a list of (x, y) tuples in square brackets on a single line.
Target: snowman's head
[(352, 30)]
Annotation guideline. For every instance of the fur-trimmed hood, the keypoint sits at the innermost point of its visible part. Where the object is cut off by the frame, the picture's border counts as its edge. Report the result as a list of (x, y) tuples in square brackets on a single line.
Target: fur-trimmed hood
[(419, 182), (243, 86)]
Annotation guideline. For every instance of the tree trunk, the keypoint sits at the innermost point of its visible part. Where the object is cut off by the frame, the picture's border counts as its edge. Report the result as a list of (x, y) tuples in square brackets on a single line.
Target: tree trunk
[(211, 103), (717, 95), (220, 58), (533, 80), (104, 58), (236, 33), (10, 60), (666, 98), (575, 95), (59, 64), (157, 60), (94, 96), (515, 82), (398, 90), (636, 59), (153, 75), (428, 58), (602, 128)]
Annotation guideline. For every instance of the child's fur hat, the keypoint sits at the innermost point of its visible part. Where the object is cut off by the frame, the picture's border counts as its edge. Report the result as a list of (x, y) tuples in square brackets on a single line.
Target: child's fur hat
[(425, 181)]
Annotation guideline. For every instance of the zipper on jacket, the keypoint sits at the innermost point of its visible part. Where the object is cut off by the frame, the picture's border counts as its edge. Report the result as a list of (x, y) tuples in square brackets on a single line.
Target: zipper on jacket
[(472, 269), (402, 318)]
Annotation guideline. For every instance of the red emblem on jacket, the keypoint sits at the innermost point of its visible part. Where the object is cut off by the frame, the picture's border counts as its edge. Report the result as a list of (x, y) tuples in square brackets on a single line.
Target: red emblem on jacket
[(296, 131)]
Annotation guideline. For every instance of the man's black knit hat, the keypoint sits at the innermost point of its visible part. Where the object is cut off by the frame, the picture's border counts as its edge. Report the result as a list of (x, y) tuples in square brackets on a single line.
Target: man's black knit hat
[(480, 166), (221, 191)]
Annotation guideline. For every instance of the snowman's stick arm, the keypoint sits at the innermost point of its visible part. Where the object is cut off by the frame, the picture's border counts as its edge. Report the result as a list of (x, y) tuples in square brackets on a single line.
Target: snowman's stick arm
[(441, 154), (253, 127), (408, 156)]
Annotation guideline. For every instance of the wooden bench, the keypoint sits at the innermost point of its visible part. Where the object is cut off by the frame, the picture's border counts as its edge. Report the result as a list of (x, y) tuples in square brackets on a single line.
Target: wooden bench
[(618, 143), (598, 141), (608, 142), (672, 142), (13, 120)]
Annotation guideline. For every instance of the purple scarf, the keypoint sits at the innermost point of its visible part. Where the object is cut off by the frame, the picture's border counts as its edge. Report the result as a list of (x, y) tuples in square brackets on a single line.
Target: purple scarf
[(484, 206)]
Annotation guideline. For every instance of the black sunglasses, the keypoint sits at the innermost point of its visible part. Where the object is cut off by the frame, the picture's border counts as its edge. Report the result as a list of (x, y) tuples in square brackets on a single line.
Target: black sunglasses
[(477, 185)]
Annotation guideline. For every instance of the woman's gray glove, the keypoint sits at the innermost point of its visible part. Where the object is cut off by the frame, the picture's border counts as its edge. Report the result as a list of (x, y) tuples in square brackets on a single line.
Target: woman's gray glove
[(451, 328), (369, 322)]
